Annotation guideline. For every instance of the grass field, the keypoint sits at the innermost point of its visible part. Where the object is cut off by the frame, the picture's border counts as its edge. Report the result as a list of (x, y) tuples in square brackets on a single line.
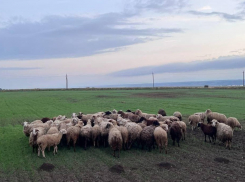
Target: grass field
[(195, 160)]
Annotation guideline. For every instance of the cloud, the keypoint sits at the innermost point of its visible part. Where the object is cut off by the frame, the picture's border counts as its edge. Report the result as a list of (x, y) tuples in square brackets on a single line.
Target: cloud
[(69, 36), (160, 6), (221, 63), (225, 16), (18, 68), (204, 8)]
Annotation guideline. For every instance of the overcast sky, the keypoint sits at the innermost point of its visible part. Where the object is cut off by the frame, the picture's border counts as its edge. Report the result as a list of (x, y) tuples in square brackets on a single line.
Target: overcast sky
[(113, 42)]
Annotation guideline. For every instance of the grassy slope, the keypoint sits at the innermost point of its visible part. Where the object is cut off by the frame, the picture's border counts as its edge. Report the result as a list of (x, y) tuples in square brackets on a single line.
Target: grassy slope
[(15, 107)]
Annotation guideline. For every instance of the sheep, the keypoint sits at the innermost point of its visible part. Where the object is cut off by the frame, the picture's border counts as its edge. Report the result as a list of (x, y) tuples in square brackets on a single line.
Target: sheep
[(161, 137), (133, 117), (147, 135), (183, 128), (104, 132), (178, 115), (86, 133), (164, 118), (111, 116), (175, 132), (162, 112), (145, 115), (133, 131), (60, 117), (34, 135), (233, 122), (194, 120), (44, 120), (84, 117), (53, 129), (141, 125), (224, 132), (208, 130), (73, 134), (202, 115), (114, 138), (147, 122), (95, 133), (124, 132), (114, 111), (221, 118), (49, 140), (27, 128)]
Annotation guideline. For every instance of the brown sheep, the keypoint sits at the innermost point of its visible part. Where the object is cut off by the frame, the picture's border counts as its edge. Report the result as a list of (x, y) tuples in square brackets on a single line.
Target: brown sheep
[(73, 134), (178, 115), (162, 112), (147, 135), (233, 122), (175, 132)]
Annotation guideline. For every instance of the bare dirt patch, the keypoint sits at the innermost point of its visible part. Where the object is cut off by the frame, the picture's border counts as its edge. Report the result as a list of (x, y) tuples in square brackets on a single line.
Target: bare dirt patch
[(117, 169), (47, 167), (165, 165), (222, 160)]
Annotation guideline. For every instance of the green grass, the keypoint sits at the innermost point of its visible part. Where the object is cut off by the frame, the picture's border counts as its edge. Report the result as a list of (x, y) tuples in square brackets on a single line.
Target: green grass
[(17, 107)]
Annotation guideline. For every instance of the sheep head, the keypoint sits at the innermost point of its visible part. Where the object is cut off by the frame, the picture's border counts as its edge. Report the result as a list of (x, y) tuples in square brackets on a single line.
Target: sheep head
[(214, 122), (208, 111)]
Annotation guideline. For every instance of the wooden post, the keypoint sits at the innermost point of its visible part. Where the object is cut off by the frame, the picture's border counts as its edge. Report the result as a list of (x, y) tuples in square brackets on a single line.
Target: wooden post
[(243, 78), (153, 79), (66, 82)]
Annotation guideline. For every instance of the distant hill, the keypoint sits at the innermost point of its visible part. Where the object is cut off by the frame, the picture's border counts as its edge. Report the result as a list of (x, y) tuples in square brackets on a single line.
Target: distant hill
[(185, 84)]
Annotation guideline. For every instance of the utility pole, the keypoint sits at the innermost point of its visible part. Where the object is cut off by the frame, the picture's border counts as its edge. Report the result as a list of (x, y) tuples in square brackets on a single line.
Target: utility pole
[(153, 79), (66, 82), (243, 78)]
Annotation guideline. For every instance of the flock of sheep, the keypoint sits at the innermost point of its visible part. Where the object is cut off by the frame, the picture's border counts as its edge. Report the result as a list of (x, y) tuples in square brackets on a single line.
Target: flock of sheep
[(122, 129)]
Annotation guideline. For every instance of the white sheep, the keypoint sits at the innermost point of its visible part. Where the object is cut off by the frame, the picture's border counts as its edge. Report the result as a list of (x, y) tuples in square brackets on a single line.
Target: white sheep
[(86, 133), (202, 115), (215, 115), (224, 132), (161, 137), (114, 138), (133, 131), (194, 120), (34, 135), (49, 140)]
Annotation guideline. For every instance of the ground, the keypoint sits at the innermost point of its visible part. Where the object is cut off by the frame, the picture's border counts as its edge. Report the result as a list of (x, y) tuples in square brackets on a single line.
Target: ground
[(195, 160)]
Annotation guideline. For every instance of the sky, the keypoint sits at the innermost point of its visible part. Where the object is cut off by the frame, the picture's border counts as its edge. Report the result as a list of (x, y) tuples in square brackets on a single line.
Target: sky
[(116, 42)]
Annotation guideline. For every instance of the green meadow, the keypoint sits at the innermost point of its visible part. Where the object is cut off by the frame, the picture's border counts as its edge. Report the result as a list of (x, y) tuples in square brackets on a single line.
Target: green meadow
[(18, 163)]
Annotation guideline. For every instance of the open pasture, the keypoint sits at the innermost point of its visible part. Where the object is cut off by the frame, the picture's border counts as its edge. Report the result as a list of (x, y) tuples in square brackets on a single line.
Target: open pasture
[(194, 160)]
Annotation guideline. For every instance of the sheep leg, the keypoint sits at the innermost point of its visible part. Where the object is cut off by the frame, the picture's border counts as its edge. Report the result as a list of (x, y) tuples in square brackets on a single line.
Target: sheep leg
[(118, 153), (39, 148), (43, 153), (166, 149), (114, 153), (209, 138), (56, 149)]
